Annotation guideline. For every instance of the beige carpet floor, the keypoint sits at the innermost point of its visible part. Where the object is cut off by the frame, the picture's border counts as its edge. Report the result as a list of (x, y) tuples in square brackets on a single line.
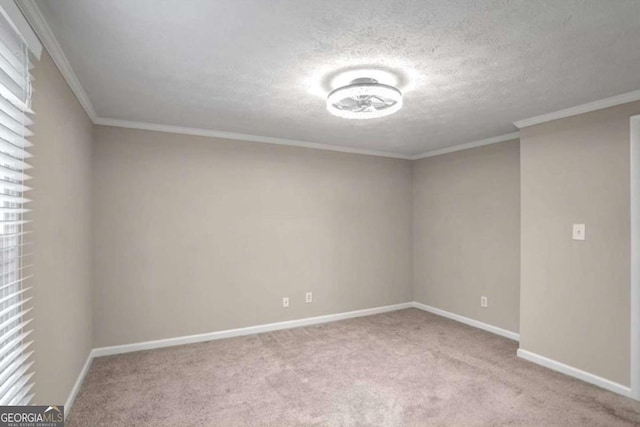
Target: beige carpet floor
[(405, 368)]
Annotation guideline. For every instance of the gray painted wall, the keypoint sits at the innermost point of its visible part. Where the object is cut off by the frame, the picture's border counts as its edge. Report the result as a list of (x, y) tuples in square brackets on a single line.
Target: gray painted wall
[(62, 234), (466, 225), (575, 295), (195, 234)]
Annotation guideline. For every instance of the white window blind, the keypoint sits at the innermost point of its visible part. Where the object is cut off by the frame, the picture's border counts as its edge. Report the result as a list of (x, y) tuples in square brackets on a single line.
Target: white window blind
[(15, 321)]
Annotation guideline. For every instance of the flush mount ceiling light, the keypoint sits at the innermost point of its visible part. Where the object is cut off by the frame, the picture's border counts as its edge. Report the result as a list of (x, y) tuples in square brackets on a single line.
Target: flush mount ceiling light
[(364, 98)]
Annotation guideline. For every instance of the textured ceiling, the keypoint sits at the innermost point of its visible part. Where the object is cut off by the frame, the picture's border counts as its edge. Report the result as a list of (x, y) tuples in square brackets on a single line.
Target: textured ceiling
[(468, 68)]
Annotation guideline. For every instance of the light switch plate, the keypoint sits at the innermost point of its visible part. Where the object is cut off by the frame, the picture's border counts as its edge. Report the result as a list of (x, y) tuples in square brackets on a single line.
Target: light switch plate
[(579, 232)]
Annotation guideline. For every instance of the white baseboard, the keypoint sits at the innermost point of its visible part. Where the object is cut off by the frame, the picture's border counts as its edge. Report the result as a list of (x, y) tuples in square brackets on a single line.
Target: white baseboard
[(170, 342), (250, 330), (76, 386), (575, 372), (467, 321)]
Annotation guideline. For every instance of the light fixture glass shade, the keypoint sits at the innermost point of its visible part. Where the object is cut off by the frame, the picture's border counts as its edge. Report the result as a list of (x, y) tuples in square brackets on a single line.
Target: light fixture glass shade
[(364, 98)]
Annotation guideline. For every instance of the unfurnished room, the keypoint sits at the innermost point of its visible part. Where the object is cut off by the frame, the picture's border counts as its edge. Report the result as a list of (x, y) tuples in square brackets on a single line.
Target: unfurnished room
[(319, 213)]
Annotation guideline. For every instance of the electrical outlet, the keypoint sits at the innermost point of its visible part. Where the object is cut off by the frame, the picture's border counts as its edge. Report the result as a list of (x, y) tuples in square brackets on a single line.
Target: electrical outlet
[(484, 302), (308, 297), (285, 302)]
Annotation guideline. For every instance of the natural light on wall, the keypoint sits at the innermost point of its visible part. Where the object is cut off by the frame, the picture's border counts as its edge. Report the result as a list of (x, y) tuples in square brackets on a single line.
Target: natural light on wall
[(15, 322)]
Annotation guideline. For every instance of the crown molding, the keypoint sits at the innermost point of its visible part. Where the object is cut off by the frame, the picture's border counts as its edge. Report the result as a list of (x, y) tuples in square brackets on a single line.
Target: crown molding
[(243, 137), (41, 28), (580, 109), (39, 24), (473, 144)]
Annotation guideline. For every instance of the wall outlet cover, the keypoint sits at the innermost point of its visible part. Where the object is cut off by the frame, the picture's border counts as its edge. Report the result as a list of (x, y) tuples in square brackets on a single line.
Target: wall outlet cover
[(579, 232), (484, 302)]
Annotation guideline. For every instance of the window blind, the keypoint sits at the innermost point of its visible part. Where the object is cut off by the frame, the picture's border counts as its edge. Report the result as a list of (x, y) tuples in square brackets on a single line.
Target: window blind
[(15, 270)]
